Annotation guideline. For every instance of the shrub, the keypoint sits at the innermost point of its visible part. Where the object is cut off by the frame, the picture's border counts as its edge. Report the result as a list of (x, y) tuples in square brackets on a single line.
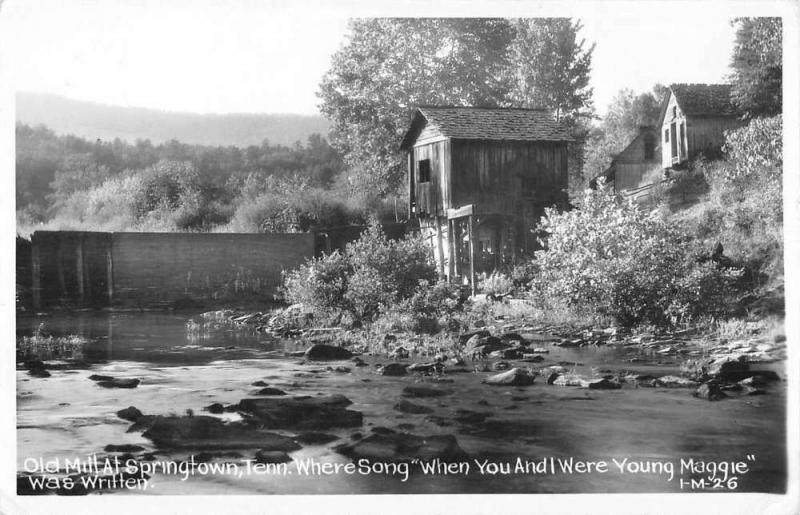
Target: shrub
[(496, 284), (371, 274), (609, 258)]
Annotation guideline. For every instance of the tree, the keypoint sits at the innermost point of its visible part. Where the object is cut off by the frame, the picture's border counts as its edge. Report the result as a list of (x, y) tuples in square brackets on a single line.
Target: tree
[(757, 66), (625, 114), (550, 67), (389, 66)]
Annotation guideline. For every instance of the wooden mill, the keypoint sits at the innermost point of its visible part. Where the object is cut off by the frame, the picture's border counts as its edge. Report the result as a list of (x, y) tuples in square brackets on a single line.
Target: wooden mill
[(479, 180)]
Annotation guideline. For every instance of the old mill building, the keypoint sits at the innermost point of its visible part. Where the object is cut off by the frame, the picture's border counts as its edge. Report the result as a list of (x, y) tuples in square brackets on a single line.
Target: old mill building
[(479, 180)]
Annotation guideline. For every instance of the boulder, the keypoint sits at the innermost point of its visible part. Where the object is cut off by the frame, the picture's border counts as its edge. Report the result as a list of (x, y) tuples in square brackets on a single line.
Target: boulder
[(97, 377), (570, 380), (211, 433), (123, 448), (259, 384), (119, 383), (514, 338), (426, 368), (392, 369), (425, 391), (215, 408), (602, 384), (484, 345), (270, 391), (322, 352), (131, 414), (513, 377), (339, 370), (710, 391), (38, 372), (404, 447), (321, 412), (511, 353), (409, 407), (674, 382), (729, 368), (500, 365)]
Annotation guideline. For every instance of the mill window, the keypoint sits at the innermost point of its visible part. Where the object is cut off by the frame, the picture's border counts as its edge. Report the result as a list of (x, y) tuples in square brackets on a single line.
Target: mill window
[(424, 170)]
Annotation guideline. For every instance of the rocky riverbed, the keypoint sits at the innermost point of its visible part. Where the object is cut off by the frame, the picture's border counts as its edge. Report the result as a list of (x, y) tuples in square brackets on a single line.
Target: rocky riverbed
[(246, 412)]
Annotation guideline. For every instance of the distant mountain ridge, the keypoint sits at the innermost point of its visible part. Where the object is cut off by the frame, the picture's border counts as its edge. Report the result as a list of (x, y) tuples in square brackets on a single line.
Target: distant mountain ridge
[(106, 122)]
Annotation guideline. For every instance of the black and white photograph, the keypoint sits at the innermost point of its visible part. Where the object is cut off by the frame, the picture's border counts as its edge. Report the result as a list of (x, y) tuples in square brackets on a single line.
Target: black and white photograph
[(451, 257)]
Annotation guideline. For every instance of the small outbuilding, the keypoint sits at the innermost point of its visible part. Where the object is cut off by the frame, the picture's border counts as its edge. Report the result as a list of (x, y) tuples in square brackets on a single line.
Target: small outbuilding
[(632, 167), (693, 121), (479, 180)]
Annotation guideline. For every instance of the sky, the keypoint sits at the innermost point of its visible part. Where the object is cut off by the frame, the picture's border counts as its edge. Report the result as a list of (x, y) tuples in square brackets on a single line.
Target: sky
[(266, 57)]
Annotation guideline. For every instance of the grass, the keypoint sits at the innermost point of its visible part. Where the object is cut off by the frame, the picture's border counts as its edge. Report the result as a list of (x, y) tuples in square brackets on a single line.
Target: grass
[(43, 346)]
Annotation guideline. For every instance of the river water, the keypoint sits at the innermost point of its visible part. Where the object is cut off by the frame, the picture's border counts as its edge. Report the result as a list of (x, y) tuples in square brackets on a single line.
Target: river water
[(657, 430)]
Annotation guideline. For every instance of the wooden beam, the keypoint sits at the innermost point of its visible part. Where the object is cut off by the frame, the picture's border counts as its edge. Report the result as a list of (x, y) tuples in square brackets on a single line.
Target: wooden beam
[(79, 269), (460, 212), (110, 279), (439, 247), (36, 273), (472, 253), (451, 245)]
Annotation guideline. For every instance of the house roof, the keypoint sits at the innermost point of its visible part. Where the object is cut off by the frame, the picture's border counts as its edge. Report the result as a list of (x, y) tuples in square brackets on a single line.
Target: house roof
[(705, 99), (509, 124)]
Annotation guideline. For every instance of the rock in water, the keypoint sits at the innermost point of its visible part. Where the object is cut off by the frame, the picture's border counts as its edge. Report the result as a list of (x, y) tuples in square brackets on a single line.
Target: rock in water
[(404, 447), (729, 368), (131, 414), (674, 382), (210, 433), (392, 369), (409, 407), (710, 391), (270, 391), (322, 352), (603, 384), (119, 383), (320, 412), (514, 377)]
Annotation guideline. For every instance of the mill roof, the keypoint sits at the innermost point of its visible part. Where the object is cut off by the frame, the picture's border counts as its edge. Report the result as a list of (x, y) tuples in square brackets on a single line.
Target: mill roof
[(478, 123)]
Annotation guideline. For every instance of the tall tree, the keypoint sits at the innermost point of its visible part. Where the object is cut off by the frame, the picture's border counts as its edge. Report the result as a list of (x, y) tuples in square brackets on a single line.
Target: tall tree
[(550, 67), (389, 66), (757, 66)]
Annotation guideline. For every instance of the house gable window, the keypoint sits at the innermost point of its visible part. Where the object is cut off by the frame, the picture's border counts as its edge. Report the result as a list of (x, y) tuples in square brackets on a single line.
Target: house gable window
[(666, 135), (424, 166)]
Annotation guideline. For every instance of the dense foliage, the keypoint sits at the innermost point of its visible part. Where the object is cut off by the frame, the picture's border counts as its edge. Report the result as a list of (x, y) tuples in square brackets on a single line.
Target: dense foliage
[(757, 65), (371, 275), (388, 66), (609, 258)]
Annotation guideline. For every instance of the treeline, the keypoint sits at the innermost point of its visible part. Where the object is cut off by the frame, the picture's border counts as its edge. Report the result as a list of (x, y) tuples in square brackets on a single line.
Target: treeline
[(67, 182)]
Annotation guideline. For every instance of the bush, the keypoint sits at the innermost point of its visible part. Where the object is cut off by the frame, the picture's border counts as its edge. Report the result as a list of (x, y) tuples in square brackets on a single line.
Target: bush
[(610, 259), (369, 276), (496, 284)]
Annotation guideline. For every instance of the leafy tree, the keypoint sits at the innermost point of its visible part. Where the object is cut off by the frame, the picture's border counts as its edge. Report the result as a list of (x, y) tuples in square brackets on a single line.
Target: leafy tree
[(389, 66), (757, 66), (550, 67), (627, 112)]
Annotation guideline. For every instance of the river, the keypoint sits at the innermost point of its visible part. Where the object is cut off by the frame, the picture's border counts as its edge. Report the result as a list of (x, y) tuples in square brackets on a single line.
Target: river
[(525, 439)]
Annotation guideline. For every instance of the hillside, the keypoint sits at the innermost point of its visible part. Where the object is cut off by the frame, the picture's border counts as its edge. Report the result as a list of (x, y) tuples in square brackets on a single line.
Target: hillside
[(93, 121)]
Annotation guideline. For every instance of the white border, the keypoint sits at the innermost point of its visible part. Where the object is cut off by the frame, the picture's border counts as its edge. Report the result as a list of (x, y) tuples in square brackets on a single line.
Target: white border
[(462, 504)]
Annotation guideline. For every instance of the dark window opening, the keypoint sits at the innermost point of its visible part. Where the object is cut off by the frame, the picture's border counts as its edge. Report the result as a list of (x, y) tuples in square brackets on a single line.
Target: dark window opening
[(424, 170), (528, 187), (649, 147), (666, 136), (674, 112)]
